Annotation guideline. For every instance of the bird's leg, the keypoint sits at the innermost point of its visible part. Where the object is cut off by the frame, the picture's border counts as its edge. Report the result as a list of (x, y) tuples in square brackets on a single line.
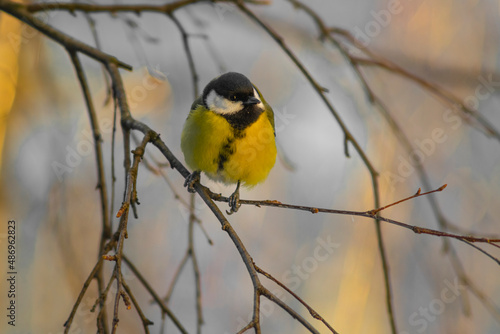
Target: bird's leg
[(234, 200), (191, 180)]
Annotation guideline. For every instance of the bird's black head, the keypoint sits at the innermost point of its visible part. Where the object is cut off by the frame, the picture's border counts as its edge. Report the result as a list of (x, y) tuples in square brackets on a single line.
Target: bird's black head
[(234, 97), (232, 86)]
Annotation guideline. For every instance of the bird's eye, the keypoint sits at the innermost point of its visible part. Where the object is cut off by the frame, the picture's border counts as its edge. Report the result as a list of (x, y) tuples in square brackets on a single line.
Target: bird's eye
[(233, 98)]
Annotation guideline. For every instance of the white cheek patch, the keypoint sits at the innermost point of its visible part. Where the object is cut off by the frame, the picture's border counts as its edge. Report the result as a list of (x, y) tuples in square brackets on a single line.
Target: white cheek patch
[(221, 105), (256, 95)]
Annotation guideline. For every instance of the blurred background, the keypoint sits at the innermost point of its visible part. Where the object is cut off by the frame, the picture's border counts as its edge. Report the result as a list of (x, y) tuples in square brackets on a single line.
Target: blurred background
[(48, 172)]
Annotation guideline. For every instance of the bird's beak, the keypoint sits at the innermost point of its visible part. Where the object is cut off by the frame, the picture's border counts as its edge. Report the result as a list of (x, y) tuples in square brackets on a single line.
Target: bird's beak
[(251, 100)]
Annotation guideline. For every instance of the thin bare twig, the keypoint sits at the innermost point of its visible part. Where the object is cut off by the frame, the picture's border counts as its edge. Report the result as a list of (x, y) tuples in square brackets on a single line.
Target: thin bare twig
[(367, 214), (489, 129), (102, 324), (101, 179), (122, 229), (196, 268), (177, 274), (145, 321), (313, 313), (187, 49), (115, 8), (17, 10), (417, 194), (153, 294), (86, 284)]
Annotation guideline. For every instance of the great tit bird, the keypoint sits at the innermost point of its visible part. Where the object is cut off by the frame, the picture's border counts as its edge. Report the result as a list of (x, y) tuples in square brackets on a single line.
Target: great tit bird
[(229, 135)]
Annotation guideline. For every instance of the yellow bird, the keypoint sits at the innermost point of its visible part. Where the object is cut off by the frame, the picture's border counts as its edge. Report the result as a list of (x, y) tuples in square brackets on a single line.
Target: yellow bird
[(229, 135)]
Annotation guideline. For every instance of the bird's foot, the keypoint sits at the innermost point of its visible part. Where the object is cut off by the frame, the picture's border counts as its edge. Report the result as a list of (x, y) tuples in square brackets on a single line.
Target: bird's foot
[(191, 180), (234, 200)]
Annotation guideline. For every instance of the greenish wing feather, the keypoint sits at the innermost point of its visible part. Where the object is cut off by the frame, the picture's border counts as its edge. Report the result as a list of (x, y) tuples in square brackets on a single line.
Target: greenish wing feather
[(269, 110), (197, 102), (270, 115)]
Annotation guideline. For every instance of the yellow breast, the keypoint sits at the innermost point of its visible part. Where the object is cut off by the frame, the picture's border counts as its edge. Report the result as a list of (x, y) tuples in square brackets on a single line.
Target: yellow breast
[(210, 144)]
